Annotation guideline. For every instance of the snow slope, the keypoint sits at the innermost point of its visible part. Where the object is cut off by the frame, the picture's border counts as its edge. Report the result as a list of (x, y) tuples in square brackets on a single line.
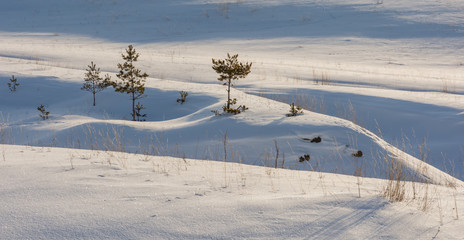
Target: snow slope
[(382, 77), (370, 53), (56, 193), (191, 130)]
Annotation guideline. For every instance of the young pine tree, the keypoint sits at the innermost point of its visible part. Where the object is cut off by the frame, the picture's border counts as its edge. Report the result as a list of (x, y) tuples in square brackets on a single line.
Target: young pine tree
[(132, 80), (294, 110), (43, 112), (13, 84), (93, 82), (230, 69), (138, 109)]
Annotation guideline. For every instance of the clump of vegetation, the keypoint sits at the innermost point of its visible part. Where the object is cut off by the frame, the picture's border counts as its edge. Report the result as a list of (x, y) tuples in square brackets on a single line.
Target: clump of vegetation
[(395, 190), (132, 80), (239, 109), (235, 111), (230, 69), (13, 84), (93, 82), (216, 112), (305, 157), (43, 112), (359, 153), (294, 110), (138, 108), (317, 139), (183, 97)]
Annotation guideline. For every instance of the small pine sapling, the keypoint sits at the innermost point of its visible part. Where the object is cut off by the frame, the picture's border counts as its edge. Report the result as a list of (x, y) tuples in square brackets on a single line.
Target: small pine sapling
[(132, 79), (13, 84), (43, 112), (93, 82), (183, 97), (138, 108), (230, 69), (294, 110)]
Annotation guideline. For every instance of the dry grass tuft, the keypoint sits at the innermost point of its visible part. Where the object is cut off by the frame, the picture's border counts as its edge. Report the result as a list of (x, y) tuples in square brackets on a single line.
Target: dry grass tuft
[(395, 189)]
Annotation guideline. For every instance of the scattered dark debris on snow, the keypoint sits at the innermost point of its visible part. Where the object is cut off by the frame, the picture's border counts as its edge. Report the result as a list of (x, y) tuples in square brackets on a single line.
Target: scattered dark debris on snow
[(305, 157), (317, 139), (359, 153)]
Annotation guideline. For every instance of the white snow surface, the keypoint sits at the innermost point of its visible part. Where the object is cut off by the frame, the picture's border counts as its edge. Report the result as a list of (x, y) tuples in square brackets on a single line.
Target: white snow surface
[(384, 77), (57, 193)]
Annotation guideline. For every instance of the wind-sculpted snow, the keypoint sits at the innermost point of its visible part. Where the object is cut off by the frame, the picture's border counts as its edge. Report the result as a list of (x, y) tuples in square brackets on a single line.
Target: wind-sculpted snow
[(381, 85), (191, 130), (357, 69)]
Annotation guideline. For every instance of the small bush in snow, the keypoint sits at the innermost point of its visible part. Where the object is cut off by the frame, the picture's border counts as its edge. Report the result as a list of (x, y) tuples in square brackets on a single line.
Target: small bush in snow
[(13, 84), (359, 153), (236, 111), (138, 115), (43, 112), (216, 112), (183, 97), (294, 110), (93, 82), (305, 157), (230, 109), (230, 69)]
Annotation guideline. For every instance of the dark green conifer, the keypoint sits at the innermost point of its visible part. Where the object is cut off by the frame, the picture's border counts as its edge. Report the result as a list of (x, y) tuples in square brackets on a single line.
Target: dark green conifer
[(230, 69), (93, 82), (132, 80)]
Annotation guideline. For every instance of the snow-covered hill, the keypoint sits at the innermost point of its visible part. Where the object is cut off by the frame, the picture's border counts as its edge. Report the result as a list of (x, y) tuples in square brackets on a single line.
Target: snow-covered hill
[(56, 193), (383, 77)]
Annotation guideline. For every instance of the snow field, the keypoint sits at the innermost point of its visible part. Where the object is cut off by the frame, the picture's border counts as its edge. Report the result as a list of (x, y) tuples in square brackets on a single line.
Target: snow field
[(88, 194), (384, 77)]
